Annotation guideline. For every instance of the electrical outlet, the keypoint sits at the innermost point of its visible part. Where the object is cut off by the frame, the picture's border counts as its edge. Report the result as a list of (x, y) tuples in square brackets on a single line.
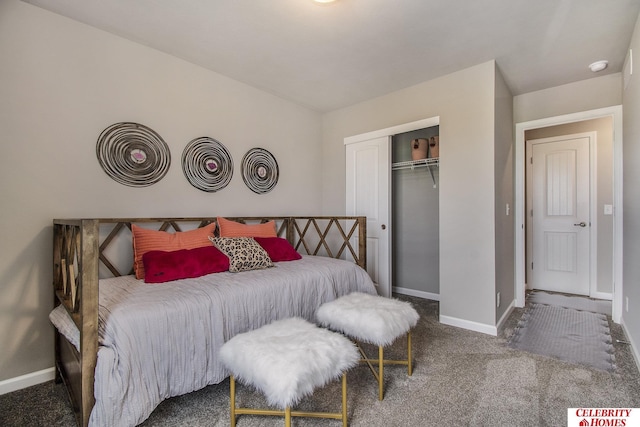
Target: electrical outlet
[(498, 299), (627, 304)]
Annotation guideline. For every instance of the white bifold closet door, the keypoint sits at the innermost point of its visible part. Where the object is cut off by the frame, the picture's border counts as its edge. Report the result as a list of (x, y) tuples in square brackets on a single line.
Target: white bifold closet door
[(368, 177)]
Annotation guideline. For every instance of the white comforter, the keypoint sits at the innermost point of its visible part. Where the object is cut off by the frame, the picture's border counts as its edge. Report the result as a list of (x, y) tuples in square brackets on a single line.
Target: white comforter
[(162, 340)]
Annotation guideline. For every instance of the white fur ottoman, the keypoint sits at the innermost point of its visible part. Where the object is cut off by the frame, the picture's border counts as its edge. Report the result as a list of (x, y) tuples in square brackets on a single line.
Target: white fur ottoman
[(372, 319), (287, 360)]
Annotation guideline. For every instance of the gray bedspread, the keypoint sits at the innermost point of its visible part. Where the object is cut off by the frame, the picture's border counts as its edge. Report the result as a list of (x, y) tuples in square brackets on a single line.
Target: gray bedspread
[(162, 340)]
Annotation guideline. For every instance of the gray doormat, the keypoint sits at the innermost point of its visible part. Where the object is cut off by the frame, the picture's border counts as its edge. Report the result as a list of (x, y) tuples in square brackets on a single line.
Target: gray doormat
[(567, 334), (577, 302)]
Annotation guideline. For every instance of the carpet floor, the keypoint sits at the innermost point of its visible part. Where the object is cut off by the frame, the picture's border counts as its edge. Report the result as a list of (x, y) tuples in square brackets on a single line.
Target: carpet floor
[(461, 378)]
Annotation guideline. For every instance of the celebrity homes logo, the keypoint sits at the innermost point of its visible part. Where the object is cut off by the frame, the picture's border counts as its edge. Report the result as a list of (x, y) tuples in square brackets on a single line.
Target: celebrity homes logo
[(603, 417)]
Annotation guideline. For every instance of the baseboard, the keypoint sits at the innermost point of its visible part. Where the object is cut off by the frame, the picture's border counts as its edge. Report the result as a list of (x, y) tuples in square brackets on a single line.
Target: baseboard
[(467, 324), (634, 346), (506, 315), (453, 321), (602, 295), (416, 293), (27, 380)]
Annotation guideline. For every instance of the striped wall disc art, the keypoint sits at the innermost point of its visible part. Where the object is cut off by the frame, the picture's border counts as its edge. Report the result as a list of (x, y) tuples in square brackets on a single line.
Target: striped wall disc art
[(133, 154), (260, 170), (207, 164)]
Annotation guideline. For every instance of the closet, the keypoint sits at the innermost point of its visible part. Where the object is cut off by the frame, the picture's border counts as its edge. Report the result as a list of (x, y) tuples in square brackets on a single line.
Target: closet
[(399, 197), (414, 217)]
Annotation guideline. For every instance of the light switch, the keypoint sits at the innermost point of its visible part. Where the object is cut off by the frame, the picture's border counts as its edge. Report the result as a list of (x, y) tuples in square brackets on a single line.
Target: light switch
[(608, 209), (507, 209)]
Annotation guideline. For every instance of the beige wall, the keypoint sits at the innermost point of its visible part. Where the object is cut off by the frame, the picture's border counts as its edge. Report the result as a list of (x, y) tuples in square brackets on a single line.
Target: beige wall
[(465, 103), (504, 135), (61, 84), (604, 188), (585, 95), (631, 181)]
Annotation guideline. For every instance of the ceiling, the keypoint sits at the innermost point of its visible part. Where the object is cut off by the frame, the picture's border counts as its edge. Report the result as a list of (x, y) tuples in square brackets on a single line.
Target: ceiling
[(334, 55)]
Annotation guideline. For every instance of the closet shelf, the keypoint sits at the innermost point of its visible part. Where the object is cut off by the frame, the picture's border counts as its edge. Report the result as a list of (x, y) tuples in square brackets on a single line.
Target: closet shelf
[(422, 163), (412, 164)]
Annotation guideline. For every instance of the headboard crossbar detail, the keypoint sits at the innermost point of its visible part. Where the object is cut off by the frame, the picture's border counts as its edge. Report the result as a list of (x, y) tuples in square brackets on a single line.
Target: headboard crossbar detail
[(322, 234)]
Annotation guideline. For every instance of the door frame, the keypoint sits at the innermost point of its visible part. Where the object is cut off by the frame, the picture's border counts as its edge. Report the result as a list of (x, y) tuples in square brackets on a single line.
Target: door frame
[(593, 201), (519, 187)]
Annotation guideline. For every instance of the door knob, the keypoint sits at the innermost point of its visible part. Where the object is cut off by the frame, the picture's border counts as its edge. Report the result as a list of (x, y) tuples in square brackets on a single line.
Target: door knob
[(384, 227), (581, 224)]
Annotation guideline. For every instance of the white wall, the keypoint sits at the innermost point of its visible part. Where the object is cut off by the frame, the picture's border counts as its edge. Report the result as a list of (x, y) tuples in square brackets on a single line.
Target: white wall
[(61, 84), (631, 147), (465, 103)]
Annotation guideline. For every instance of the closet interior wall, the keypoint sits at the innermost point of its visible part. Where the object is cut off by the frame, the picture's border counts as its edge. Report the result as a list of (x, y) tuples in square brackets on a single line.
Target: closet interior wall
[(415, 221)]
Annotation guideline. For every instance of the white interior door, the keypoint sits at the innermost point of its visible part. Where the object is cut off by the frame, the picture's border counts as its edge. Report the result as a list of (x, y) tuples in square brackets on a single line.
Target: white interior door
[(368, 175), (559, 214)]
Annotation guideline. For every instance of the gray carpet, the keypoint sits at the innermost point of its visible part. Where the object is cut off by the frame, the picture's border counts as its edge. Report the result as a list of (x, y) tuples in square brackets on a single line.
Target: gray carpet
[(461, 378)]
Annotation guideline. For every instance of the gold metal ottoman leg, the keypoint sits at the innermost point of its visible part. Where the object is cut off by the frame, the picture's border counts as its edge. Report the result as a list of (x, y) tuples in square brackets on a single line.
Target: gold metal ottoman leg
[(232, 392), (409, 355), (287, 417), (344, 400), (380, 372)]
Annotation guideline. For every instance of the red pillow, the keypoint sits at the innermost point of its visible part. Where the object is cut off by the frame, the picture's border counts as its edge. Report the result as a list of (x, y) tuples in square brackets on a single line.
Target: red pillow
[(161, 266), (145, 240), (279, 249)]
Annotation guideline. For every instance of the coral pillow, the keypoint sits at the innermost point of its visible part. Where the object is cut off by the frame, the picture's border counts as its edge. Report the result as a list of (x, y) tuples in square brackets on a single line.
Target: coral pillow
[(161, 266), (279, 249), (145, 240), (230, 228)]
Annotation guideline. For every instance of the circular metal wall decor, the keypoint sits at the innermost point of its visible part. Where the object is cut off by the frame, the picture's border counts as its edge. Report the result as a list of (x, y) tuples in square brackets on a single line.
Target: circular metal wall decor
[(133, 154), (207, 164), (260, 170)]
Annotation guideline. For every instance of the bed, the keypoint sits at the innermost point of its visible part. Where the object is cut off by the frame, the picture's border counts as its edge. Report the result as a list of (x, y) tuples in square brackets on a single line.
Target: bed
[(123, 345)]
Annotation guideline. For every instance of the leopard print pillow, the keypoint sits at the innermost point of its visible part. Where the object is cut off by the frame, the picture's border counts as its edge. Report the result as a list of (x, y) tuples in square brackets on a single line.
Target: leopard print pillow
[(244, 253)]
